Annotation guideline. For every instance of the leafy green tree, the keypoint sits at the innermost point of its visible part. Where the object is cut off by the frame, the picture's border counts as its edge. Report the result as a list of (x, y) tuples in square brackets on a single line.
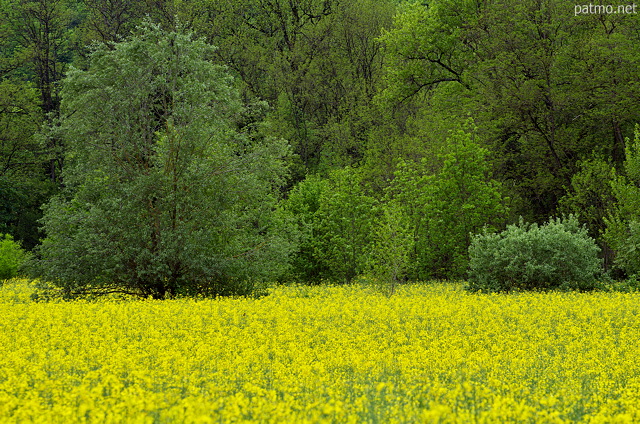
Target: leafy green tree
[(20, 119), (623, 223), (164, 195), (303, 203), (43, 29), (111, 21), (392, 241), (12, 257), (546, 91), (317, 63), (343, 226), (448, 205), (590, 198), (336, 218), (39, 45), (23, 184)]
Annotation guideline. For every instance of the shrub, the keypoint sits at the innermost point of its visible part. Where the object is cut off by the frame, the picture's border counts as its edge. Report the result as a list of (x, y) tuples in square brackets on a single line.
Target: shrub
[(302, 203), (343, 225), (11, 257), (558, 254)]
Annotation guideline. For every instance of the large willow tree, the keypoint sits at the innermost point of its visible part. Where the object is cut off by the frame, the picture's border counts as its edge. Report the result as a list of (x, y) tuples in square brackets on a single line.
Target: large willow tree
[(164, 194)]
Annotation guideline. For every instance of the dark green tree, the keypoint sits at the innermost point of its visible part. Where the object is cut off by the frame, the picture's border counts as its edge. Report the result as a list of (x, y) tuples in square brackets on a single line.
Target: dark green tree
[(164, 196), (317, 63), (23, 184), (545, 88), (38, 43)]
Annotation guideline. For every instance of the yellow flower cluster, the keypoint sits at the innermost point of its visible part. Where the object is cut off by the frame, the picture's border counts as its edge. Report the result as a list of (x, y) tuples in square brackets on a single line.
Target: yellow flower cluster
[(427, 354)]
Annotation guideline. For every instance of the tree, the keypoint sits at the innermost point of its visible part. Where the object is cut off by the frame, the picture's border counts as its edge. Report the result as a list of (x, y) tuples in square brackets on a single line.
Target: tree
[(164, 195), (111, 20), (623, 223), (38, 39), (303, 202), (590, 198), (317, 63), (447, 205), (336, 217), (23, 186), (392, 245), (546, 91), (12, 257), (343, 225)]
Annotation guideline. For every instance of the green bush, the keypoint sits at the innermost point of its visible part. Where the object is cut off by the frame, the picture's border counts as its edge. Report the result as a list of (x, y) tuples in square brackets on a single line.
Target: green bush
[(11, 257), (558, 254), (302, 203)]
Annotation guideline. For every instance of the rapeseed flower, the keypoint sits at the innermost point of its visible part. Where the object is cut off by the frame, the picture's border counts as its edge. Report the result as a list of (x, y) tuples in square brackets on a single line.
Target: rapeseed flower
[(346, 354)]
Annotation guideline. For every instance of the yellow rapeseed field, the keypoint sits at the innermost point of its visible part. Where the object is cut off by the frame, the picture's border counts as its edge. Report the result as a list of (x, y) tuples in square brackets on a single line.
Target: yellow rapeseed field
[(429, 353)]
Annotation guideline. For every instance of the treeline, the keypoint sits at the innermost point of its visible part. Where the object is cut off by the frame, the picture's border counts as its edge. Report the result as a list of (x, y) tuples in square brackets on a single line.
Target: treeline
[(380, 134)]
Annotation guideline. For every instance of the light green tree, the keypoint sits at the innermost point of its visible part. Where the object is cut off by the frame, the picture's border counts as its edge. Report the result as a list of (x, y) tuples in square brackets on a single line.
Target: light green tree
[(12, 257), (336, 217), (392, 243), (623, 223), (446, 206), (343, 226)]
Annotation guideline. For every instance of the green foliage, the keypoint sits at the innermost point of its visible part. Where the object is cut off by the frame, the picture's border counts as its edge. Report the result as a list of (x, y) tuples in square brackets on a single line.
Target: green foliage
[(558, 254), (336, 216), (23, 186), (12, 257), (316, 62), (377, 85), (392, 246), (623, 223), (590, 195), (629, 285), (546, 91), (343, 225), (163, 195), (446, 206), (303, 203)]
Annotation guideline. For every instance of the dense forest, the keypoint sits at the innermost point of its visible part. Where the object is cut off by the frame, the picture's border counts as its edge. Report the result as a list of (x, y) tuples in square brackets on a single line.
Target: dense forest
[(164, 147)]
